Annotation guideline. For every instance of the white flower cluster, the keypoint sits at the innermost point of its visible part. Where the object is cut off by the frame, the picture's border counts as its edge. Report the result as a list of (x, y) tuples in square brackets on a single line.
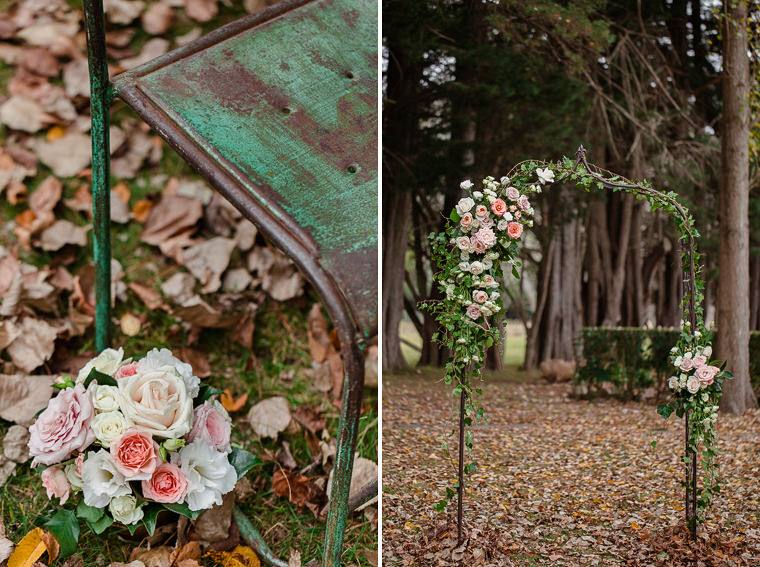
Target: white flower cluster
[(695, 371)]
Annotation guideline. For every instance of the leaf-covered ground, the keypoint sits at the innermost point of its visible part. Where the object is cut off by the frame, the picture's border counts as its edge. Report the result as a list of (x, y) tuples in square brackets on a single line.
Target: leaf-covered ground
[(559, 481)]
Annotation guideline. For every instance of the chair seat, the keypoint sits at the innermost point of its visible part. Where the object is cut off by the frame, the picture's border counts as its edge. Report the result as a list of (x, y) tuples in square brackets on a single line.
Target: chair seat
[(278, 111)]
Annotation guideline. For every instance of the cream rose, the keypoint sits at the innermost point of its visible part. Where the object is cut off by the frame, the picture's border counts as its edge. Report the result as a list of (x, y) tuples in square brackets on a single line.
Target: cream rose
[(104, 398), (106, 362), (107, 426), (692, 384), (124, 509), (157, 402)]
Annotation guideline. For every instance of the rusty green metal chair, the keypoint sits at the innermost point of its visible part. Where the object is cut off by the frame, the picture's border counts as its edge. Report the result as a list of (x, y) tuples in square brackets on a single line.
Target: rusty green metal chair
[(278, 111)]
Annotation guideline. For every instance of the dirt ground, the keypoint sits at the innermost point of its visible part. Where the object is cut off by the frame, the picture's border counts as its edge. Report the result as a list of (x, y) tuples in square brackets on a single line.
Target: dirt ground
[(558, 482)]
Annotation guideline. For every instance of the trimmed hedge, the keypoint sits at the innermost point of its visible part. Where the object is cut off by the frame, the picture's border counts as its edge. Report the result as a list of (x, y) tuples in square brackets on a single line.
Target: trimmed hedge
[(633, 359)]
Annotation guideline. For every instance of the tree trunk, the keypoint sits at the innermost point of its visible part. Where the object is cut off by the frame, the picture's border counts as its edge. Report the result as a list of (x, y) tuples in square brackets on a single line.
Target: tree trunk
[(733, 282), (396, 208)]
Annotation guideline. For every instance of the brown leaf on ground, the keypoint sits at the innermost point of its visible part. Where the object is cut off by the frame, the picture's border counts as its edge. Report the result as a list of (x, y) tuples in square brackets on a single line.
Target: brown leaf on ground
[(190, 552), (61, 233), (149, 296), (119, 209), (6, 545), (51, 544), (66, 156), (123, 11), (153, 48), (15, 444), (297, 488), (76, 78), (310, 419), (15, 192), (170, 217), (22, 113), (197, 359), (158, 18), (201, 10), (335, 362), (34, 345), (197, 312), (81, 201), (364, 472), (279, 277), (46, 196), (208, 260), (244, 333), (21, 397), (141, 210), (9, 330), (370, 367), (156, 557), (269, 417), (318, 336), (214, 524), (39, 61), (285, 457)]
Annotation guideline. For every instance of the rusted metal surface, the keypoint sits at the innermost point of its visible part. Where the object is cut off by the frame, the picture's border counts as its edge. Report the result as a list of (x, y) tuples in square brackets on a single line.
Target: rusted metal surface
[(279, 112), (100, 102)]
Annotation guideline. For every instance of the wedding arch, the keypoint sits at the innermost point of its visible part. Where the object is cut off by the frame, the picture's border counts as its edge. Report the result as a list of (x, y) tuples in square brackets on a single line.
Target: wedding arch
[(482, 236)]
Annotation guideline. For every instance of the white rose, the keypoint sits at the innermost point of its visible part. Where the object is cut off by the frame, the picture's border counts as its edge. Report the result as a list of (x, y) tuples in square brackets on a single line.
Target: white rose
[(682, 381), (487, 264), (209, 474), (157, 402), (107, 426), (707, 351), (466, 184), (692, 384), (678, 361), (106, 362), (673, 383), (163, 359), (504, 180), (476, 268), (545, 175), (124, 509), (464, 256), (502, 224), (477, 194), (464, 266), (101, 480), (105, 398)]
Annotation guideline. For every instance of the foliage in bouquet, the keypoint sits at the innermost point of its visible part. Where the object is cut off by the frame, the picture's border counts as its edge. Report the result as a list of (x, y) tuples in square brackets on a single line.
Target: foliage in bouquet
[(128, 439)]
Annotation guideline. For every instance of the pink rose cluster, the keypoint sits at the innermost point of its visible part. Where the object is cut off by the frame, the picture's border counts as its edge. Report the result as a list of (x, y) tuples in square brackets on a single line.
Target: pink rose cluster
[(695, 371), (489, 220), (130, 433)]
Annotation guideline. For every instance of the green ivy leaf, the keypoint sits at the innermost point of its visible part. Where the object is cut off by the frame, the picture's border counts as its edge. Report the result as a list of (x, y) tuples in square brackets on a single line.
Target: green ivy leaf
[(101, 525), (89, 513), (150, 515), (205, 393), (101, 378), (665, 410), (184, 510), (243, 461), (65, 529)]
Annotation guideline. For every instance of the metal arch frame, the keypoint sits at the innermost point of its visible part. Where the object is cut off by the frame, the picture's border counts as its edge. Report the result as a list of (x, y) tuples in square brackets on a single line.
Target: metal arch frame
[(297, 246)]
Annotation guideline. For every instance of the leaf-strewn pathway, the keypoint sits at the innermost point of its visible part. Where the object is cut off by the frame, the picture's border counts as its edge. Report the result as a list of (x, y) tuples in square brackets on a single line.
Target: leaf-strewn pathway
[(559, 481)]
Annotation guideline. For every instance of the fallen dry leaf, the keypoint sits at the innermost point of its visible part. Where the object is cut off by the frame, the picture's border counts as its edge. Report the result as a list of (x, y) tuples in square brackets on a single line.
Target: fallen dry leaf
[(197, 312), (370, 367), (39, 61), (46, 196), (285, 457), (123, 11), (310, 419), (240, 556), (269, 417), (197, 359), (76, 78), (129, 324), (22, 113), (141, 210), (29, 549), (66, 156), (158, 18), (230, 403), (34, 345), (298, 489), (6, 545), (15, 444), (152, 49), (149, 296), (295, 558), (15, 192), (201, 10), (208, 260), (173, 215), (279, 277), (21, 397), (213, 525), (51, 545), (61, 233), (156, 557), (318, 336), (119, 209), (236, 280)]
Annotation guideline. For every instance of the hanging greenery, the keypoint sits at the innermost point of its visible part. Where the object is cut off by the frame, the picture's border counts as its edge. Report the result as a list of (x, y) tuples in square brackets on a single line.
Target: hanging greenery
[(481, 239)]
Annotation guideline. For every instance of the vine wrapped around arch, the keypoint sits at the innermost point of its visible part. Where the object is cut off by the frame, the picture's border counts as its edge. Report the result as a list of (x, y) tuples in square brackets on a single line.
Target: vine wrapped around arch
[(481, 239)]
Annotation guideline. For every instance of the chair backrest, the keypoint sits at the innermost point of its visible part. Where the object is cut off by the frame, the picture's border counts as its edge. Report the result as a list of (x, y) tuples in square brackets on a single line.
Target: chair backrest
[(279, 112)]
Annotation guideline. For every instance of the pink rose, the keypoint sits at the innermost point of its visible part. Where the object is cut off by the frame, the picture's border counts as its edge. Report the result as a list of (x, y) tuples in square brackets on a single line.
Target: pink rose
[(514, 229), (126, 370), (686, 365), (518, 214), (499, 207), (64, 427), (56, 484), (481, 211), (211, 425), (473, 311), (486, 222), (488, 280), (466, 220), (700, 360), (513, 194), (477, 245), (512, 208), (135, 454), (166, 484), (480, 296), (705, 374), (486, 236), (523, 203)]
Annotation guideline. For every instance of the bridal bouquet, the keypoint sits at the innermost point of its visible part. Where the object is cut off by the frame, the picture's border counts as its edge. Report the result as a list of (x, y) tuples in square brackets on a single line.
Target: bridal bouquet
[(135, 438)]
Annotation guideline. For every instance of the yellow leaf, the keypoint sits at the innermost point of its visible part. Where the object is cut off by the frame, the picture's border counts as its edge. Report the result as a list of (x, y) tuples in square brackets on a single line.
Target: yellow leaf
[(122, 191), (241, 556), (230, 403), (55, 133), (29, 549)]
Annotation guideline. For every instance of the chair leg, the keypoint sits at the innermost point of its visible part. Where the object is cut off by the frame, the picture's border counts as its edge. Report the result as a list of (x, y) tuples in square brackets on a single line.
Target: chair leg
[(100, 101), (337, 514)]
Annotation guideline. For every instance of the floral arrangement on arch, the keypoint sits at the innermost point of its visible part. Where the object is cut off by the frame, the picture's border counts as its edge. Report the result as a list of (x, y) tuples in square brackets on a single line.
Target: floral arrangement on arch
[(133, 438), (482, 236)]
